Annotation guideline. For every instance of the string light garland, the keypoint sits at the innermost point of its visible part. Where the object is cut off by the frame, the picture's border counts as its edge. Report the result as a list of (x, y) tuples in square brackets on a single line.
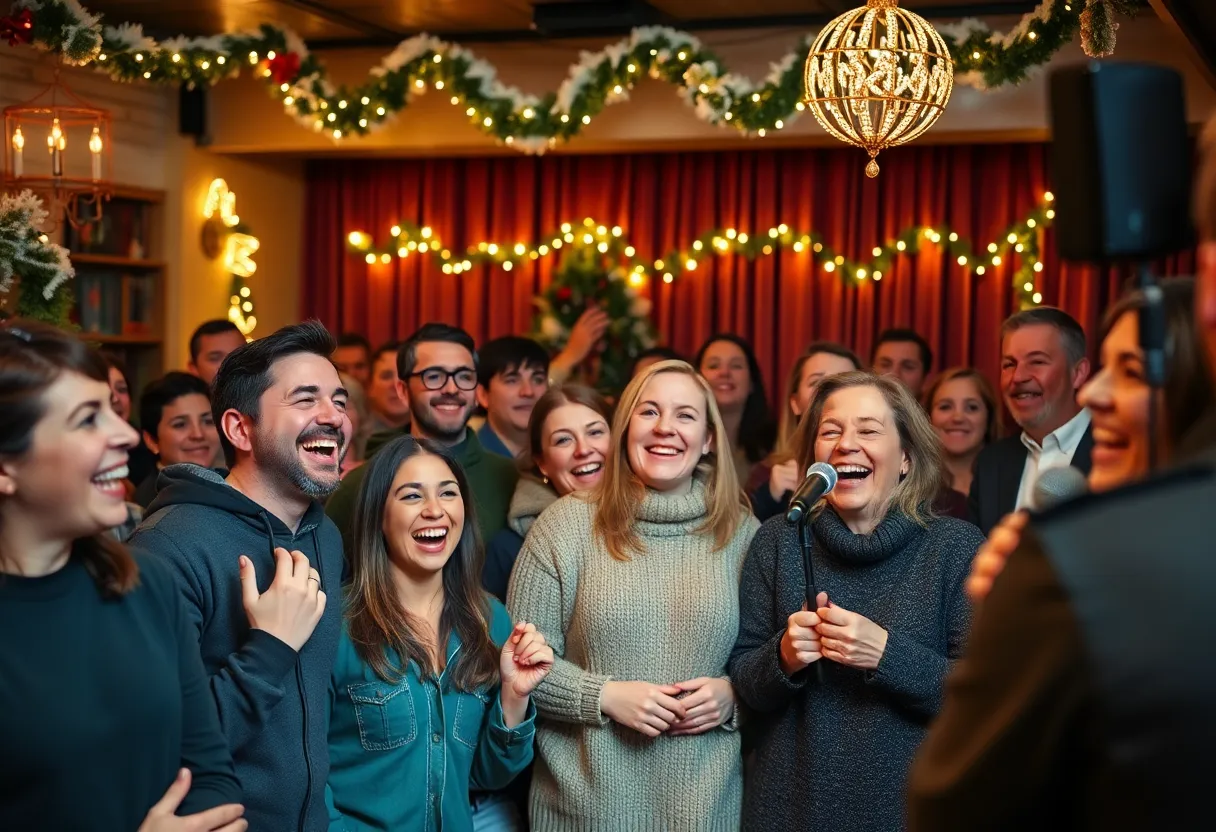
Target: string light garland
[(1020, 240), (529, 123)]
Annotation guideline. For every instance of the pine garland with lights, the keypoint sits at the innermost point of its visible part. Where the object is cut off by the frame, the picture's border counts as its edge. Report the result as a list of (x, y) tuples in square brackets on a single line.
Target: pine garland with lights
[(41, 268), (1098, 29), (1021, 239), (530, 123), (586, 277)]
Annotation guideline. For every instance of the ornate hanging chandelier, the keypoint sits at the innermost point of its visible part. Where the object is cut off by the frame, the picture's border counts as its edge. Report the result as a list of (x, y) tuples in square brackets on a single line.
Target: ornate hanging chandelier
[(877, 77), (72, 176)]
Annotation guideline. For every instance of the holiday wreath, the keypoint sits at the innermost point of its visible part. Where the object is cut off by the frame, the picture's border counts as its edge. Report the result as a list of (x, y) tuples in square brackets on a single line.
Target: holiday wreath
[(586, 278)]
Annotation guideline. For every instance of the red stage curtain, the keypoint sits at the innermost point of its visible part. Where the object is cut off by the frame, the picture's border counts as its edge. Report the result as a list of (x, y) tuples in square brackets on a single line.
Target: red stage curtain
[(780, 303)]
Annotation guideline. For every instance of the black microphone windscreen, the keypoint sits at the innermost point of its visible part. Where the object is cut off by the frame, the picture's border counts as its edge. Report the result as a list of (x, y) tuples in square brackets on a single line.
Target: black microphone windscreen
[(1058, 485)]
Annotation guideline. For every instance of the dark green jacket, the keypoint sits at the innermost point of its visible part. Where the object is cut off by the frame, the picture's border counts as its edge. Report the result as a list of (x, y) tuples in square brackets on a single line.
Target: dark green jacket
[(491, 477)]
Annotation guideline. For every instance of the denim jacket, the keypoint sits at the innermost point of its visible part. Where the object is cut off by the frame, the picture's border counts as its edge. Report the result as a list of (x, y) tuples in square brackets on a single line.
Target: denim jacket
[(405, 755)]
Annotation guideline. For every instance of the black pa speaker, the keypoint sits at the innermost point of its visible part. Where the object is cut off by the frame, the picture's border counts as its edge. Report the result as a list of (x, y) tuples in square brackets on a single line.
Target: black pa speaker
[(1121, 162), (192, 113)]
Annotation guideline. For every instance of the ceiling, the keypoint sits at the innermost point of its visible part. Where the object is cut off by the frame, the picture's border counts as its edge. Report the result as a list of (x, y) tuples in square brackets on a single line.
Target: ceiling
[(384, 22), (1195, 20)]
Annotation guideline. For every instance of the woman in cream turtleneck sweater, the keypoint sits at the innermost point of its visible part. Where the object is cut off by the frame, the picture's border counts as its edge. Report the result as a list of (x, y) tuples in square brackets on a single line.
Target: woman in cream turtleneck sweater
[(636, 586)]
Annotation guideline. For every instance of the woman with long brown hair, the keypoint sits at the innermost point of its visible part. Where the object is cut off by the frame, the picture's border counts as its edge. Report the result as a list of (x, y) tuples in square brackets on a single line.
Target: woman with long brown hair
[(636, 584), (105, 705), (729, 364), (963, 410), (432, 683)]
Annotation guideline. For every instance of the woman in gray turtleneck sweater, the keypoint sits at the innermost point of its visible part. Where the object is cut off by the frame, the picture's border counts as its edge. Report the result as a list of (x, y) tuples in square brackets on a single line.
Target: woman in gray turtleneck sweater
[(636, 586), (843, 693)]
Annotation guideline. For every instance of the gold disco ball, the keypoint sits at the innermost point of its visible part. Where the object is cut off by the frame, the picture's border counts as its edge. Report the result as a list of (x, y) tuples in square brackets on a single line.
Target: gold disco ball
[(877, 77)]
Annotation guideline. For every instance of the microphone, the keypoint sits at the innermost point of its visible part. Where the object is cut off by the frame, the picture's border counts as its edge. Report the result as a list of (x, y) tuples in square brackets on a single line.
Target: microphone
[(820, 479), (1058, 485)]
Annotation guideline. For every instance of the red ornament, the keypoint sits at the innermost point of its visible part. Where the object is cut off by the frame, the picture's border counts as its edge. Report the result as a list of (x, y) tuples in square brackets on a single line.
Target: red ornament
[(19, 28), (564, 293), (284, 67)]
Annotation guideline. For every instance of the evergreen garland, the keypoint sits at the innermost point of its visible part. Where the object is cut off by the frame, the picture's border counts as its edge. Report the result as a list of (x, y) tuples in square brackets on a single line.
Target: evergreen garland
[(299, 81), (40, 267)]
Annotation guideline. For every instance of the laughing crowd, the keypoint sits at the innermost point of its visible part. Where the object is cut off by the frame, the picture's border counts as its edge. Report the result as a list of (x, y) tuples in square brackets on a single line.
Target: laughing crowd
[(349, 607)]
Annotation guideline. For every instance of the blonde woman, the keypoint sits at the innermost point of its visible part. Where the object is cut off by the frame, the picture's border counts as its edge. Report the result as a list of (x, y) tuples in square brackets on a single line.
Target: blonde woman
[(772, 483), (636, 584), (844, 691)]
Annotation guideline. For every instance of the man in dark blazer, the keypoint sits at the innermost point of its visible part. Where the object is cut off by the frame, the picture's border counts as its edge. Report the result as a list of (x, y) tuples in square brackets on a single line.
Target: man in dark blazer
[(1087, 699), (1043, 365)]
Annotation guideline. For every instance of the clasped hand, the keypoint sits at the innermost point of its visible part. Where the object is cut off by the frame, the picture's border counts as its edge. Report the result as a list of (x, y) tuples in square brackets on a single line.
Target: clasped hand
[(831, 632), (525, 660), (706, 703)]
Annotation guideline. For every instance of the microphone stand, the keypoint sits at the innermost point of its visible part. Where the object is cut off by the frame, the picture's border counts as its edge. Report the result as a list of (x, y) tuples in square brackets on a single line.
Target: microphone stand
[(808, 574), (1152, 341)]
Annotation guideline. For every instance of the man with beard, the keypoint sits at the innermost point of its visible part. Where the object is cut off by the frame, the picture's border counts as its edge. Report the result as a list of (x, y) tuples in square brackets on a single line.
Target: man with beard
[(1043, 365), (255, 557), (437, 378)]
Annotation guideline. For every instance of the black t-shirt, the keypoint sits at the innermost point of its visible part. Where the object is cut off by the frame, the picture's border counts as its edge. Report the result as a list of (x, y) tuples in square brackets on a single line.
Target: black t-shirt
[(101, 702)]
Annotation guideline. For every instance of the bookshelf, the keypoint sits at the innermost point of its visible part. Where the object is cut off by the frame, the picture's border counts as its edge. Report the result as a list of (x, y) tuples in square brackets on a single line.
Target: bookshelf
[(119, 281)]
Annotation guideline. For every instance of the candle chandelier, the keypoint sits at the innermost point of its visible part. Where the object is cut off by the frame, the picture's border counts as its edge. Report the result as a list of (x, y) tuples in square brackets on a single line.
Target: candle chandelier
[(58, 146), (877, 77)]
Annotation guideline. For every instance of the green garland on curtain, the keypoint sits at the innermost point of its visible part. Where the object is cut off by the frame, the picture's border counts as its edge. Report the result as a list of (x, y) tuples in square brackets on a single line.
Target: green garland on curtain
[(301, 82), (1020, 240)]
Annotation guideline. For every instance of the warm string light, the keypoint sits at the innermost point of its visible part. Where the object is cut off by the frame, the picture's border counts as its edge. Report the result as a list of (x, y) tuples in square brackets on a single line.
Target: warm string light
[(1021, 238), (754, 108)]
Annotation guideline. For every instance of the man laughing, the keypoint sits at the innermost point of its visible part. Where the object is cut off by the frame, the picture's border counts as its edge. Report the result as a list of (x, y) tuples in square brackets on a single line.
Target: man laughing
[(255, 557)]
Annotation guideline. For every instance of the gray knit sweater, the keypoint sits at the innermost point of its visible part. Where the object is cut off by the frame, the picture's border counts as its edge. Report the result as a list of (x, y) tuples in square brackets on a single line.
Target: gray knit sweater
[(834, 754), (667, 615)]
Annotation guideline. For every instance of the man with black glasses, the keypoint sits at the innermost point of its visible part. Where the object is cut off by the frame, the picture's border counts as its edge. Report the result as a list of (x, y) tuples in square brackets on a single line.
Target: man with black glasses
[(437, 377)]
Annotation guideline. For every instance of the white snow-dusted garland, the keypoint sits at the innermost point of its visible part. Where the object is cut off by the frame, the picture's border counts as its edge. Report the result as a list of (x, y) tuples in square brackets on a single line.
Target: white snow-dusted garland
[(983, 58), (42, 267)]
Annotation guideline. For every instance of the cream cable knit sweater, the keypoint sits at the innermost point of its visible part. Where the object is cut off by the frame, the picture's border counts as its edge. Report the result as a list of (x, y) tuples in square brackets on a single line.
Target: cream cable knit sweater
[(668, 615)]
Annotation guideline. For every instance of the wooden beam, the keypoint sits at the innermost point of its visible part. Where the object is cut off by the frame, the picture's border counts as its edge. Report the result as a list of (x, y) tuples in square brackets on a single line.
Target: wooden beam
[(344, 18), (1181, 19)]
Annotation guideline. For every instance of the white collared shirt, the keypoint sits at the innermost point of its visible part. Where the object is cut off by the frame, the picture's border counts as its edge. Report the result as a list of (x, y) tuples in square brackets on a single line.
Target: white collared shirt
[(1056, 452)]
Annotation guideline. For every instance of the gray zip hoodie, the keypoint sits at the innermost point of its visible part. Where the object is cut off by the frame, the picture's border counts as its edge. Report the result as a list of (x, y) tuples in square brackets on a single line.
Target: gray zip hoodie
[(272, 701)]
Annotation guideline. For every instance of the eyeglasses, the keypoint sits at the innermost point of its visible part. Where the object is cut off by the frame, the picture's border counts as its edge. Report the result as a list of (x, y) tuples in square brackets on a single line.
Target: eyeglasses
[(436, 378)]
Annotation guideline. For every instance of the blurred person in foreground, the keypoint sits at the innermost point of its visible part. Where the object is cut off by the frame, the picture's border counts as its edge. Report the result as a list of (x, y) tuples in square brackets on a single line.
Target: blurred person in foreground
[(1088, 697)]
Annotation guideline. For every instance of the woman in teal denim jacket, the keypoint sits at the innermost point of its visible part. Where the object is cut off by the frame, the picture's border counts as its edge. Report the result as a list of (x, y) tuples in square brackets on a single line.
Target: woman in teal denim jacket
[(412, 728)]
